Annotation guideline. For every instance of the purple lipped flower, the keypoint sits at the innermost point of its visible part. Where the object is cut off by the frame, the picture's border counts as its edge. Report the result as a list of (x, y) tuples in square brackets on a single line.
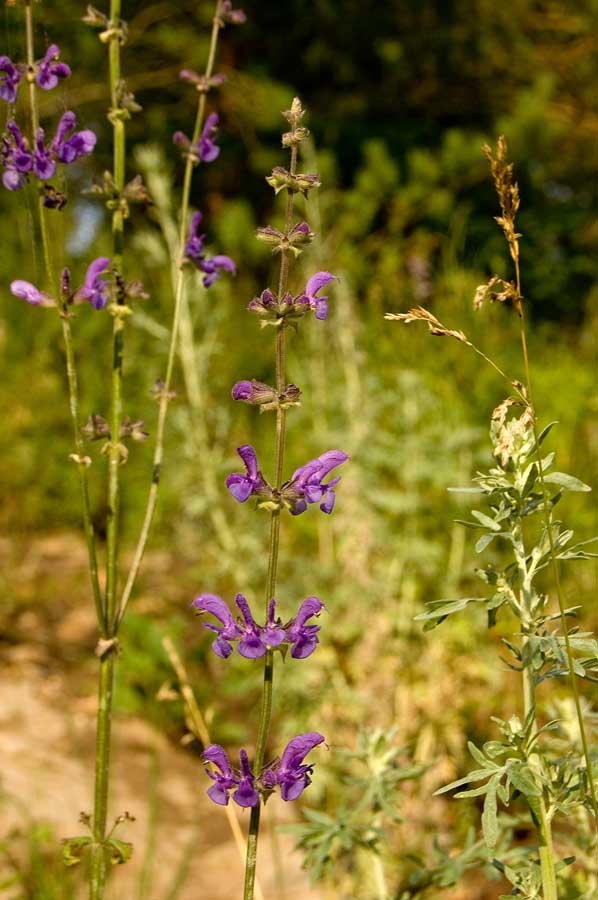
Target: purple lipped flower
[(81, 143), (228, 630), (225, 779), (246, 794), (207, 150), (304, 638), (243, 486), (16, 148), (95, 288), (251, 645), (315, 284), (212, 265), (44, 166), (195, 241), (306, 486), (274, 632), (24, 290), (10, 76), (293, 775), (50, 70), (194, 251)]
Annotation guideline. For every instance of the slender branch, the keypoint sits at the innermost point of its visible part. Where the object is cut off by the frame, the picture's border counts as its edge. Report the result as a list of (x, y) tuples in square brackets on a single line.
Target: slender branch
[(165, 394), (266, 704)]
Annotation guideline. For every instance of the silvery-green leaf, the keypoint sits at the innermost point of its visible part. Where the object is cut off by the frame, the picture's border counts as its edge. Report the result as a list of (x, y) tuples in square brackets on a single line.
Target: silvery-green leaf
[(567, 481)]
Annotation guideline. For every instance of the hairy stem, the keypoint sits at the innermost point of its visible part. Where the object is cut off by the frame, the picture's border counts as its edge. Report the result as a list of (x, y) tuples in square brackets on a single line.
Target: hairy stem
[(98, 870), (266, 705), (165, 393)]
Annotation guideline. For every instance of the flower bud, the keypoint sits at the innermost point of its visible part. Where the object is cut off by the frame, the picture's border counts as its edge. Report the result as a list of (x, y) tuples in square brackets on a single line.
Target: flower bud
[(256, 393), (295, 137), (300, 183)]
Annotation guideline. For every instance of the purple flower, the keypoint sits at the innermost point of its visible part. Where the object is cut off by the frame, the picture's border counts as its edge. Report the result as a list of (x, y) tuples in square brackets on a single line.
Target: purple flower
[(292, 775), (231, 16), (246, 794), (304, 638), (207, 150), (10, 77), (24, 290), (194, 251), (81, 143), (16, 157), (94, 288), (243, 486), (227, 631), (49, 70), (315, 284), (225, 778), (44, 166), (306, 485)]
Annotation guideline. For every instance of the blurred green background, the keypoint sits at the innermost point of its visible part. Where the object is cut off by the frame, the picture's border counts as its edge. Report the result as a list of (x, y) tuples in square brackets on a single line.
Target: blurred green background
[(400, 99)]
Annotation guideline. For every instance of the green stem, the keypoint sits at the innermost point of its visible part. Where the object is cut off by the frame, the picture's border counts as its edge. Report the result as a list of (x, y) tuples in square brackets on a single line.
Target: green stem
[(98, 871), (268, 686), (557, 582), (71, 371), (178, 302)]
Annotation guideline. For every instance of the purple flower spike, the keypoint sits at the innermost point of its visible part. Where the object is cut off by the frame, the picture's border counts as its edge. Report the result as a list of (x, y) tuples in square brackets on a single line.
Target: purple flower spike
[(251, 646), (302, 637), (316, 283), (228, 630), (246, 794), (49, 70), (10, 76), (24, 290), (207, 150), (292, 775), (243, 486), (225, 778), (94, 288), (306, 486)]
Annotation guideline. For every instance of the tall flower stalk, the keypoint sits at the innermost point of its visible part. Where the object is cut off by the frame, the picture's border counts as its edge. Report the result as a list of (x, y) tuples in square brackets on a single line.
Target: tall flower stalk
[(253, 783)]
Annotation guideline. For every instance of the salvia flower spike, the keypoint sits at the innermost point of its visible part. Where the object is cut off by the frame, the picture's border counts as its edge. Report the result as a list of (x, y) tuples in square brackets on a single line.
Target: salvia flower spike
[(290, 773), (255, 640)]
